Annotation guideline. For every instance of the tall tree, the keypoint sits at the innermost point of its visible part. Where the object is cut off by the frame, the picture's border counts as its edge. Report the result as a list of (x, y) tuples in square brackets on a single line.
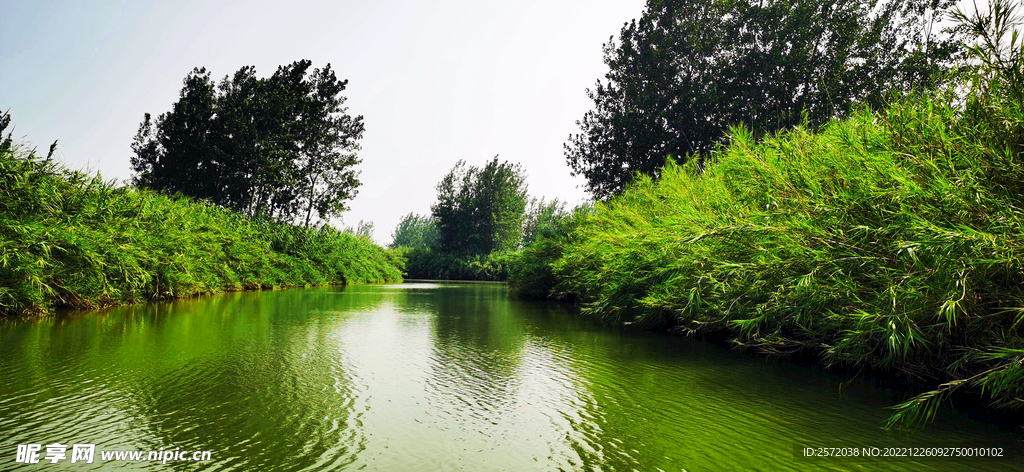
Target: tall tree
[(282, 146), (687, 70), (480, 210), (542, 219), (415, 231), (175, 153), (328, 142)]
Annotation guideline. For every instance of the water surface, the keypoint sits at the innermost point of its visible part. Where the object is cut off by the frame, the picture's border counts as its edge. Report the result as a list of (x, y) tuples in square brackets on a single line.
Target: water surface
[(429, 376)]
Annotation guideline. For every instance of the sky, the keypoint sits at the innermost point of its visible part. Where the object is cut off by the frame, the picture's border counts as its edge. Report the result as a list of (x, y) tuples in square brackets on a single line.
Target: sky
[(435, 81)]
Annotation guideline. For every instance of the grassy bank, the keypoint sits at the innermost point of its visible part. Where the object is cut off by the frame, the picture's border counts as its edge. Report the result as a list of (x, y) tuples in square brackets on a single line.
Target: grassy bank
[(71, 240), (891, 241)]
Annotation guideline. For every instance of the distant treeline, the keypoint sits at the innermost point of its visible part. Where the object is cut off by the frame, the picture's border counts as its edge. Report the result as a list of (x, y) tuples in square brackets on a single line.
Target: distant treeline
[(481, 216), (68, 239), (891, 240)]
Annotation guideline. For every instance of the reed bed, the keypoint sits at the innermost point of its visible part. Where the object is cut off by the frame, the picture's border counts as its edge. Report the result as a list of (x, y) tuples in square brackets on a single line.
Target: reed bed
[(891, 241), (68, 239)]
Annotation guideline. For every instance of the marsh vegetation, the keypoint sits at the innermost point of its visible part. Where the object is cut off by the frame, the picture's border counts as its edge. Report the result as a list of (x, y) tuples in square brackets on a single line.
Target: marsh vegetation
[(68, 239), (890, 240)]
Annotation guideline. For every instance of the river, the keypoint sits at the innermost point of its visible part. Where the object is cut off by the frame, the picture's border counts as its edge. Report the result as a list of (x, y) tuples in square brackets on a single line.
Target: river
[(431, 376)]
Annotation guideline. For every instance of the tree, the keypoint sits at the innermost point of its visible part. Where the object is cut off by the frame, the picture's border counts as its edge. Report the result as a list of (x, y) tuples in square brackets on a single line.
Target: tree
[(282, 146), (176, 152), (362, 229), (328, 140), (415, 231), (480, 210), (687, 70), (543, 219)]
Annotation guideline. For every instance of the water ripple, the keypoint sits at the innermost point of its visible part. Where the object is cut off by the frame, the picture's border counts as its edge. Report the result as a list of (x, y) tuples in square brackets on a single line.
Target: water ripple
[(434, 376)]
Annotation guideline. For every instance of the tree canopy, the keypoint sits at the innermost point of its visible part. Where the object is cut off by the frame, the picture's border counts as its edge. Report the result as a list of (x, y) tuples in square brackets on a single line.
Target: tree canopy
[(480, 210), (281, 146), (687, 70), (543, 219), (415, 231)]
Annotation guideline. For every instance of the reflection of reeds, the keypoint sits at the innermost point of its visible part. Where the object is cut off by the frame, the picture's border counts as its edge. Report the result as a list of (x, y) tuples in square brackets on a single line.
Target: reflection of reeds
[(68, 239), (892, 240)]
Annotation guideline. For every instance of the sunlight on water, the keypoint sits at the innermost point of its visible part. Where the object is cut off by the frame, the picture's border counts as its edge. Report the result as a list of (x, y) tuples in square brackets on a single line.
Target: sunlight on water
[(427, 376)]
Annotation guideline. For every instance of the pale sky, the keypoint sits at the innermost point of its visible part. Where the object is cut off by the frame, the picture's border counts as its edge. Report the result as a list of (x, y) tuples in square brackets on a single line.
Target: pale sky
[(435, 81)]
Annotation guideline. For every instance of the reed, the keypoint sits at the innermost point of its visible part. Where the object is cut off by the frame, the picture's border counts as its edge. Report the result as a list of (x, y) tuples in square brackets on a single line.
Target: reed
[(68, 239), (892, 240)]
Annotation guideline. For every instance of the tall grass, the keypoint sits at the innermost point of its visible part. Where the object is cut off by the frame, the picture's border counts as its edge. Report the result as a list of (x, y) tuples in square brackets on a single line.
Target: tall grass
[(530, 271), (68, 239), (890, 240)]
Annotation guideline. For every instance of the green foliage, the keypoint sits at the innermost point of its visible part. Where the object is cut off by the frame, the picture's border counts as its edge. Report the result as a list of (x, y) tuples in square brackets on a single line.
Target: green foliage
[(281, 146), (415, 231), (68, 239), (425, 263), (542, 219), (475, 224), (891, 240), (480, 210), (686, 71), (6, 144), (530, 270), (363, 229)]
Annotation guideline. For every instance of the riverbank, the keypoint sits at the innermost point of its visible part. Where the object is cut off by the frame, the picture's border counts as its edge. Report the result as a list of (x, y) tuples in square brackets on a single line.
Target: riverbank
[(891, 241), (68, 239)]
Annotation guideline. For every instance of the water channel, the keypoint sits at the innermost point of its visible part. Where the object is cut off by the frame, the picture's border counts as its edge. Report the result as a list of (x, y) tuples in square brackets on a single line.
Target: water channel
[(431, 376)]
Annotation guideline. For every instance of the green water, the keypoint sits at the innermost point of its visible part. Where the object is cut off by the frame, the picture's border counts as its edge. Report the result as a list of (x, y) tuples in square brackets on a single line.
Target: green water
[(423, 376)]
